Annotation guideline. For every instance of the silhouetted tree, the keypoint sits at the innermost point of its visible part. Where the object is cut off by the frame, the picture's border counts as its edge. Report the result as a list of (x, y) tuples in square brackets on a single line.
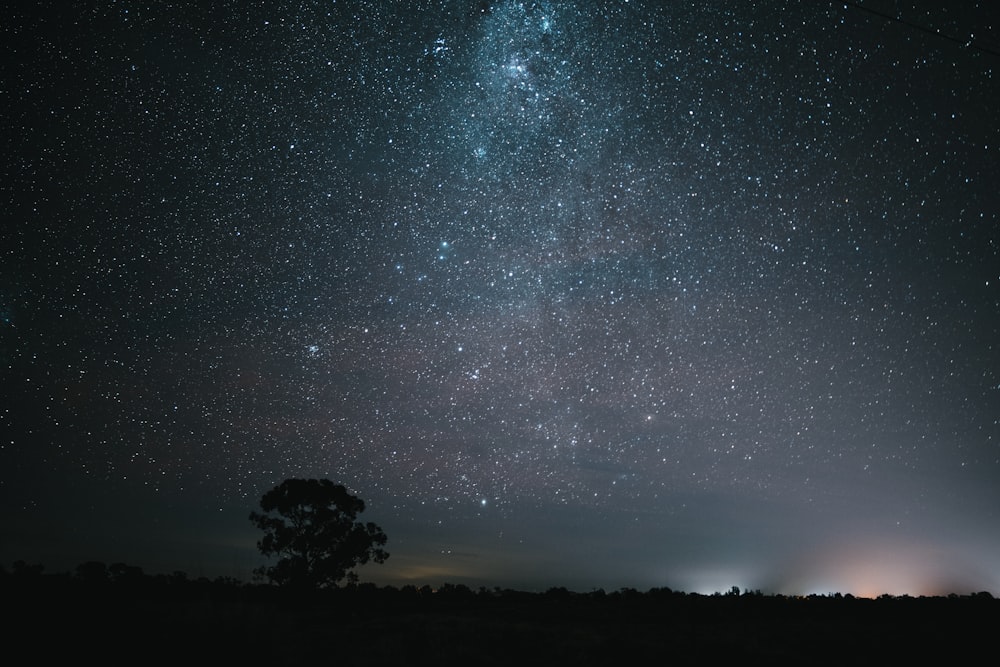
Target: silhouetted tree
[(311, 526), (92, 572), (23, 570)]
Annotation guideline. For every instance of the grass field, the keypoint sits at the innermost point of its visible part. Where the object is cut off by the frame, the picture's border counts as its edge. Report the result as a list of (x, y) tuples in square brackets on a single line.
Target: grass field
[(171, 620)]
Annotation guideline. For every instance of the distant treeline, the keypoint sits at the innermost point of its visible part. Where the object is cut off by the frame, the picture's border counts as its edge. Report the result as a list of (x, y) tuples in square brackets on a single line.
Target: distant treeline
[(118, 612), (121, 574)]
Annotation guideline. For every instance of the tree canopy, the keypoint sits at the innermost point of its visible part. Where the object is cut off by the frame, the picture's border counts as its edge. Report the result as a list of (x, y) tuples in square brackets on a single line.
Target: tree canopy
[(311, 527)]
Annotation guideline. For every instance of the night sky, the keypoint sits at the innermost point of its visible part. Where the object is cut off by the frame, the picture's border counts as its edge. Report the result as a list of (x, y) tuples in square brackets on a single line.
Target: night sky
[(592, 294)]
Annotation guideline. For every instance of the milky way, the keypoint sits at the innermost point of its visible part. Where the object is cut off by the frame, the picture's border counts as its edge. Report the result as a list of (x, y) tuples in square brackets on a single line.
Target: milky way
[(587, 294)]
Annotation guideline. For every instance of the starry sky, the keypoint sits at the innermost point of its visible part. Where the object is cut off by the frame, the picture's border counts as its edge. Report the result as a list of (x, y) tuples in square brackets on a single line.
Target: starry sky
[(583, 294)]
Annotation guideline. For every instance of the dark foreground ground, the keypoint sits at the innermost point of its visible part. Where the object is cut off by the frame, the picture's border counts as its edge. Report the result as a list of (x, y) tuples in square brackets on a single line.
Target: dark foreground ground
[(59, 619)]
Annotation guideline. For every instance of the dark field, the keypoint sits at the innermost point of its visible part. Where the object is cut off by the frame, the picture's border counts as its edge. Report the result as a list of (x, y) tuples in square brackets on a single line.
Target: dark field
[(171, 619)]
